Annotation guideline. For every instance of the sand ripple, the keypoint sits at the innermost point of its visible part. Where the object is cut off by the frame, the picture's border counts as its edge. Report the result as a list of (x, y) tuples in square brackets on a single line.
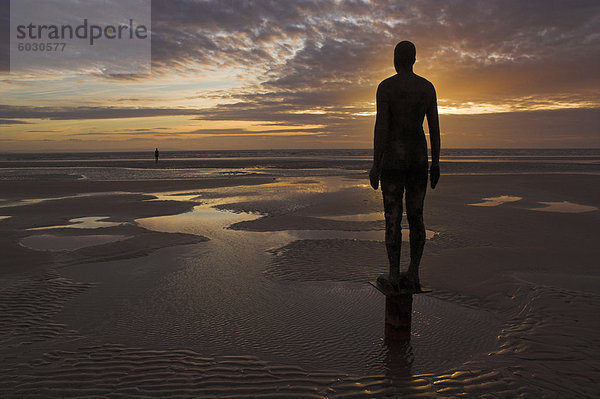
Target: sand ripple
[(528, 358), (27, 309), (124, 372), (312, 260), (548, 318)]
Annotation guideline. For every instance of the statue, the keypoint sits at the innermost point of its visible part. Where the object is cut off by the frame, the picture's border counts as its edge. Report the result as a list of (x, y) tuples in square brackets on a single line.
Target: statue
[(400, 162)]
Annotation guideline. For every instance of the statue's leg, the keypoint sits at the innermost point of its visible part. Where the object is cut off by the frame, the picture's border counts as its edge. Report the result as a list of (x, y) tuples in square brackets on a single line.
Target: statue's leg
[(392, 187), (416, 187)]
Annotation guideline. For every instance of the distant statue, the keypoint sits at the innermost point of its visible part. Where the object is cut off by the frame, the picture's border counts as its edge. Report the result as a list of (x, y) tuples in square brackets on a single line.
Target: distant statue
[(400, 161), (156, 153)]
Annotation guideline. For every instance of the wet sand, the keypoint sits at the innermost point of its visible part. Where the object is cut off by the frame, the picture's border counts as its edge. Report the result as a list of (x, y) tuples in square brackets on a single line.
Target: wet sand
[(250, 286)]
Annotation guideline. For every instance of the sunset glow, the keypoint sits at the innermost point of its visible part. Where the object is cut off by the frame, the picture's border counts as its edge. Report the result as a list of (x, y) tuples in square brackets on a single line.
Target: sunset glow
[(292, 74)]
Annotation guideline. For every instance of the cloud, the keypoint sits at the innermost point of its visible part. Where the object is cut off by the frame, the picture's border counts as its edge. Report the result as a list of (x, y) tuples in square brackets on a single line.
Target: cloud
[(309, 54), (566, 128), (208, 132), (71, 113), (12, 122), (309, 62)]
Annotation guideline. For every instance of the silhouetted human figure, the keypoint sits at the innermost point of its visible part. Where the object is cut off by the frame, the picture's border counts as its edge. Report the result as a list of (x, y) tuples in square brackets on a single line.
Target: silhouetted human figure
[(156, 153), (400, 160)]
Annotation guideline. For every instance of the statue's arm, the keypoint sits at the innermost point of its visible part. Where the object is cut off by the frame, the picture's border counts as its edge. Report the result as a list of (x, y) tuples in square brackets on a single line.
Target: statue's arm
[(434, 138), (434, 128), (382, 125)]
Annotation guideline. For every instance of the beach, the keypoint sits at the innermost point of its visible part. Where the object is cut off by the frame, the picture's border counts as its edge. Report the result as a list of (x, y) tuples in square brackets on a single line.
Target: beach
[(240, 275)]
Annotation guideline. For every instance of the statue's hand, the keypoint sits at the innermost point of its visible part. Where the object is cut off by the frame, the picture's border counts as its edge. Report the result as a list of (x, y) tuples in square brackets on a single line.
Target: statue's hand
[(374, 176), (434, 174)]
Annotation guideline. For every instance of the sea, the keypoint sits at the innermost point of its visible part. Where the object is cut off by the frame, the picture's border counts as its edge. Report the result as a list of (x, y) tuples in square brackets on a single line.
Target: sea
[(141, 165)]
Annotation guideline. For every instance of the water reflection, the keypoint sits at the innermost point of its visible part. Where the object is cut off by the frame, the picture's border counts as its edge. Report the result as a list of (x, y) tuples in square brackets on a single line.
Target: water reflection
[(50, 242), (207, 221), (398, 328), (561, 206), (359, 217), (31, 201), (398, 361), (495, 201), (564, 207), (398, 317), (88, 222), (330, 323)]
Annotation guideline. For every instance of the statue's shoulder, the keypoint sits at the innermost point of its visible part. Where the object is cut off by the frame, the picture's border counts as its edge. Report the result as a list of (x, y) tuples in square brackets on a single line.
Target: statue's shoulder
[(387, 83), (423, 82), (398, 80)]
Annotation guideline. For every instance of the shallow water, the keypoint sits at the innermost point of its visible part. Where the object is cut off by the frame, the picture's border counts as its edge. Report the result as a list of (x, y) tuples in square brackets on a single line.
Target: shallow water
[(283, 163), (495, 201), (360, 217), (565, 207), (50, 242), (561, 206), (203, 221), (279, 313), (31, 201), (88, 222), (245, 307)]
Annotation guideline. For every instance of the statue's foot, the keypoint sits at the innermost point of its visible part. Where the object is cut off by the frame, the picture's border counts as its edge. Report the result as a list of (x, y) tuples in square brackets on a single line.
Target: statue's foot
[(410, 282), (387, 283)]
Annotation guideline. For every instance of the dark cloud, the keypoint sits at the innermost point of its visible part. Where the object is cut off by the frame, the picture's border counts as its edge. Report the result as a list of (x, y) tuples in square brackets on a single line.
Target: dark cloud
[(4, 36), (469, 34), (536, 129), (12, 122), (71, 113), (494, 52), (41, 131), (206, 132)]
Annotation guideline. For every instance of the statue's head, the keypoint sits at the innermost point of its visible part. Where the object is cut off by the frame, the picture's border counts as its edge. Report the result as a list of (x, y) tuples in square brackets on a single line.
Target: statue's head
[(404, 55)]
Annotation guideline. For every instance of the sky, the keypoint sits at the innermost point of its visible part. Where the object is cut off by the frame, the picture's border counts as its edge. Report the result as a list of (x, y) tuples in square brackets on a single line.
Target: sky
[(303, 74)]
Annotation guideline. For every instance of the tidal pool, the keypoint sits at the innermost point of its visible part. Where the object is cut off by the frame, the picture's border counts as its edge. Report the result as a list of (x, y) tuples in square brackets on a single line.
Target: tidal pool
[(88, 222), (495, 201), (51, 242), (564, 207)]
